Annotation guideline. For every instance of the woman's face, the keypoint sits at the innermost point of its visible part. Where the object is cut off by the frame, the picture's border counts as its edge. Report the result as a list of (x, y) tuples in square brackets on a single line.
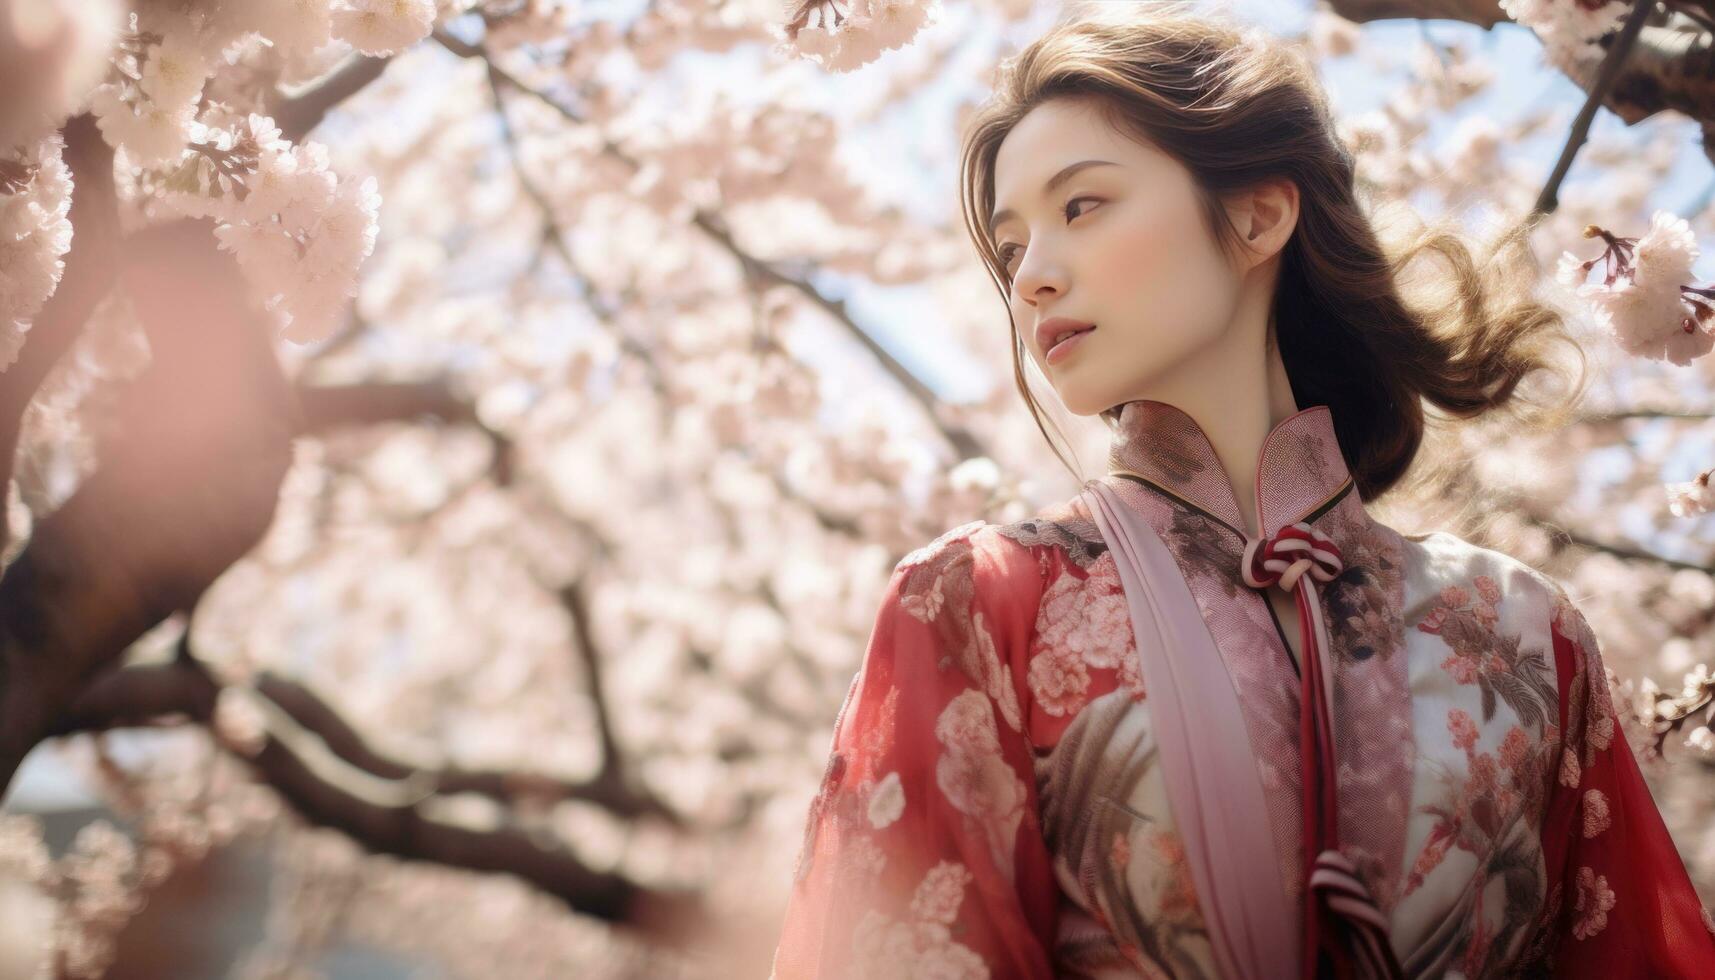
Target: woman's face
[(1120, 245)]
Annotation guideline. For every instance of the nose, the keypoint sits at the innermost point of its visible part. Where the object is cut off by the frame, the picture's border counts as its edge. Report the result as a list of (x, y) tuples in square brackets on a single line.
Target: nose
[(1035, 274)]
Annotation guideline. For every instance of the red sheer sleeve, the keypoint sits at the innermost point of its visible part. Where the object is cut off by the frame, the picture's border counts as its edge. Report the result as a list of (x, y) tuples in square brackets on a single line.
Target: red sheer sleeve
[(922, 853), (1620, 903)]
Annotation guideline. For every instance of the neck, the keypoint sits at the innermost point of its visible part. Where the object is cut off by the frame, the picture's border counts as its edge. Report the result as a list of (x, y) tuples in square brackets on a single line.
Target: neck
[(1237, 390)]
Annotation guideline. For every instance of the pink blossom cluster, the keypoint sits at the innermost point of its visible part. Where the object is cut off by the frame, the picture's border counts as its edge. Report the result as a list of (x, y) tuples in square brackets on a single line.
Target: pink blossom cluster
[(145, 76), (842, 35), (1644, 301)]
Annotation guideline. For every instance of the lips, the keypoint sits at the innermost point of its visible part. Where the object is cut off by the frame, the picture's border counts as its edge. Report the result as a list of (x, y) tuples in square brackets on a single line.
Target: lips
[(1064, 349), (1054, 330), (1066, 335)]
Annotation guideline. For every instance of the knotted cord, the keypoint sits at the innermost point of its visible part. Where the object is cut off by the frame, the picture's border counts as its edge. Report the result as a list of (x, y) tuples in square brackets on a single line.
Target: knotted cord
[(1296, 558)]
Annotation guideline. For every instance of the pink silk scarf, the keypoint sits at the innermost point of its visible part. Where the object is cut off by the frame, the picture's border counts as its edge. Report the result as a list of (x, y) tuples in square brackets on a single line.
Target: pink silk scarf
[(1214, 789)]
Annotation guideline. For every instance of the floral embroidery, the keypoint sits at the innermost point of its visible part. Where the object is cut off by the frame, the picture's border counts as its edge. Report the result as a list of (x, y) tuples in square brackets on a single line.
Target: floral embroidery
[(1066, 528), (1082, 623), (1601, 732), (996, 678), (1059, 682), (886, 801), (1441, 837), (1481, 812), (1463, 729), (1179, 893), (1205, 549), (1570, 774), (925, 606), (1361, 604), (1514, 747), (1487, 588), (939, 590), (1597, 696), (1493, 660), (975, 778), (1596, 818), (1120, 854), (933, 549), (922, 946), (877, 741), (1592, 903), (864, 861), (1131, 677), (943, 888)]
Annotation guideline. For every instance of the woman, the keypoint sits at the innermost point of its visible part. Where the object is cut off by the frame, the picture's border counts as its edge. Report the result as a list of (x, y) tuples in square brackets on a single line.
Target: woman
[(1076, 747)]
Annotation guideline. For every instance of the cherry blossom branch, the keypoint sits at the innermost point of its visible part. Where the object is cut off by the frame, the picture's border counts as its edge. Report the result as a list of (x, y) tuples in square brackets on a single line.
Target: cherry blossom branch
[(142, 695), (554, 236), (1606, 77), (1662, 714), (1628, 552), (1671, 66), (574, 599), (964, 444), (326, 407), (86, 281), (399, 810), (1483, 13), (1605, 418), (298, 113), (186, 487)]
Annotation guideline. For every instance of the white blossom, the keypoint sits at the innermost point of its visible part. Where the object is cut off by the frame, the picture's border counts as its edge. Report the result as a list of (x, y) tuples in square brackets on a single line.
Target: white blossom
[(383, 27), (1692, 497), (1643, 307), (174, 70), (149, 132), (1664, 254), (296, 26), (1648, 321), (1567, 28), (1566, 19), (35, 234), (845, 34)]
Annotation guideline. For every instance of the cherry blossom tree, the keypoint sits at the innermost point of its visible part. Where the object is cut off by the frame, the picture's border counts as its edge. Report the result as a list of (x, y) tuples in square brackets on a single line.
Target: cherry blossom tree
[(454, 443)]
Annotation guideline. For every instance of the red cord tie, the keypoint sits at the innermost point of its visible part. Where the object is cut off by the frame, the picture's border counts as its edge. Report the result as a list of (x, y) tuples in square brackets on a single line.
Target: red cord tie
[(1335, 898)]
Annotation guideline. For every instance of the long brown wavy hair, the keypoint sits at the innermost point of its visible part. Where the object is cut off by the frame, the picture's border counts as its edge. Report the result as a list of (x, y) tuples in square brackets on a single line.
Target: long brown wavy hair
[(1236, 106)]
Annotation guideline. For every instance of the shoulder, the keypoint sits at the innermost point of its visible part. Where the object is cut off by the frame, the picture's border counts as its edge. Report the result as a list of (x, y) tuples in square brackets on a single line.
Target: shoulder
[(1441, 560), (1448, 571), (974, 563), (1065, 527), (1013, 552)]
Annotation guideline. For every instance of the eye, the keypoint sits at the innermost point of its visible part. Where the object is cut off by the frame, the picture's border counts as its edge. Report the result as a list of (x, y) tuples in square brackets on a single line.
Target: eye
[(1007, 251)]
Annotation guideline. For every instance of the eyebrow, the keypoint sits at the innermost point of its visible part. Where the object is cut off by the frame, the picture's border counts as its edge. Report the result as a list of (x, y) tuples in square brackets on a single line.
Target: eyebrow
[(1064, 175)]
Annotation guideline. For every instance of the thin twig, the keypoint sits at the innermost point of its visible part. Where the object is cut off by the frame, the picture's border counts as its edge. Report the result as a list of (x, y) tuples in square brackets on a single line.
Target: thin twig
[(1615, 59)]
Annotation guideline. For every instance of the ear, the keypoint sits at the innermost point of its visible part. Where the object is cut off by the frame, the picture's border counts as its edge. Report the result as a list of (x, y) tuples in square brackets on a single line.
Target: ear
[(1265, 216)]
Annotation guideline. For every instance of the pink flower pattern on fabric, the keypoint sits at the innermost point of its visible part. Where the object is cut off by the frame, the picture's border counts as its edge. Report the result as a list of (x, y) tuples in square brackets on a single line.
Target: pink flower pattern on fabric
[(1083, 624), (975, 778), (884, 948), (1596, 818), (1595, 900)]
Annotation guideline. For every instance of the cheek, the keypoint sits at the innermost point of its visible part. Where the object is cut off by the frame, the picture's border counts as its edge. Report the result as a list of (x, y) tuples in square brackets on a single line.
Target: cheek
[(1160, 273), (1161, 258)]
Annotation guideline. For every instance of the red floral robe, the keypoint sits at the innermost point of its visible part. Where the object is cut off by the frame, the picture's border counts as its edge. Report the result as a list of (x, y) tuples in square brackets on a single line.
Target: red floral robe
[(993, 804)]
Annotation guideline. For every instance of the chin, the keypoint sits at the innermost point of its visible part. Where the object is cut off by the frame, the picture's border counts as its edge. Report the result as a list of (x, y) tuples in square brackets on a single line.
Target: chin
[(1082, 404)]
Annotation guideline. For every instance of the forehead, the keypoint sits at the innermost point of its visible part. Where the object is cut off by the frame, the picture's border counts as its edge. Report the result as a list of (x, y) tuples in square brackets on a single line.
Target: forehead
[(1050, 136)]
